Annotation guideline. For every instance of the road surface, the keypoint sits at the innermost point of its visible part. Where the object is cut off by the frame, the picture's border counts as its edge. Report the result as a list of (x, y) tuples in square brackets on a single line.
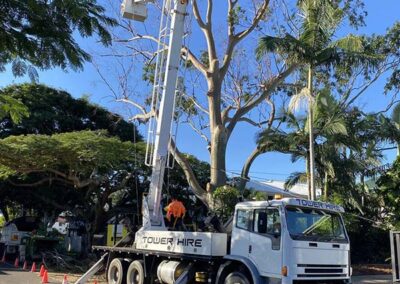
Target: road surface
[(372, 279), (11, 275)]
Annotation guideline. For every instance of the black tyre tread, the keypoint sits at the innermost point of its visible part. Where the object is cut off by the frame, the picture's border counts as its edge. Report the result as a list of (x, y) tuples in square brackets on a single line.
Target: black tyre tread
[(236, 277), (138, 265), (119, 263)]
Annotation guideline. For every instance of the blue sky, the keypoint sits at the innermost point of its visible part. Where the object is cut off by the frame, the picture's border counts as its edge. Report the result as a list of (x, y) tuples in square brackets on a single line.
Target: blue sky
[(381, 15)]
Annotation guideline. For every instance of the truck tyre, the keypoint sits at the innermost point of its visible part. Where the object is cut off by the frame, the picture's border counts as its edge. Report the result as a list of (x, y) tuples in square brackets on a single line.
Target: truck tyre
[(135, 274), (116, 273), (236, 278)]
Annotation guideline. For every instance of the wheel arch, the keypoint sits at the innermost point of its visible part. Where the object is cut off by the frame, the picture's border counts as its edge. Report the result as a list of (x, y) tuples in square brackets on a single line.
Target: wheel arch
[(239, 260)]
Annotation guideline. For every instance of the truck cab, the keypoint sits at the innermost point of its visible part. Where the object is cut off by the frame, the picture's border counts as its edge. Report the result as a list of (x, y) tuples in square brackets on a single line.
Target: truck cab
[(292, 241)]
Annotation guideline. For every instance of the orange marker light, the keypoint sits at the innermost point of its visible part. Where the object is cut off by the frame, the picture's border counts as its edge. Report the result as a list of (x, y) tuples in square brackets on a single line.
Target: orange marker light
[(284, 271)]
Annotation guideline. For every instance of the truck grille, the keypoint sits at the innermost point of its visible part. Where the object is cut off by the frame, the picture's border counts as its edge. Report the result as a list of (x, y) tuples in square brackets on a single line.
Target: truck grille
[(321, 271)]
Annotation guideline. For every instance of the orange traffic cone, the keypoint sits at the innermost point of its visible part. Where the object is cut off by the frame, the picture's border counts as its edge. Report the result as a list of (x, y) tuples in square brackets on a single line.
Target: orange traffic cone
[(16, 262), (25, 267), (41, 271), (65, 281), (95, 282), (33, 269), (45, 278)]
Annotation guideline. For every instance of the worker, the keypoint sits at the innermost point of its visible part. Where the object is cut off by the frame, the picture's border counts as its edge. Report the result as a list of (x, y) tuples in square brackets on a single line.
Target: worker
[(176, 212)]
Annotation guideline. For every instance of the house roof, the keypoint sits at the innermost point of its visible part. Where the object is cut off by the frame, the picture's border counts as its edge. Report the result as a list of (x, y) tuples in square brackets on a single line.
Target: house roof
[(272, 187)]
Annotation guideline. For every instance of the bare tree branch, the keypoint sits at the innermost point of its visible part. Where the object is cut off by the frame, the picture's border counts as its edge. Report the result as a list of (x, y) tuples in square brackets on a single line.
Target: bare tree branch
[(197, 15), (198, 131), (194, 60), (190, 176), (138, 37), (141, 108), (272, 112), (234, 39), (48, 180), (200, 107), (231, 26), (206, 28), (269, 87)]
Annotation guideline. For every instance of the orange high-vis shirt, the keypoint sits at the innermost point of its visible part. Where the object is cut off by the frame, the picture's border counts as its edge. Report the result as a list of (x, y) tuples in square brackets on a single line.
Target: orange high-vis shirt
[(176, 209)]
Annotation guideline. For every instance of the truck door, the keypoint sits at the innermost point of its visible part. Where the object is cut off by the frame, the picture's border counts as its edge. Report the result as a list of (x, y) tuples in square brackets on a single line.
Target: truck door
[(241, 232), (265, 242)]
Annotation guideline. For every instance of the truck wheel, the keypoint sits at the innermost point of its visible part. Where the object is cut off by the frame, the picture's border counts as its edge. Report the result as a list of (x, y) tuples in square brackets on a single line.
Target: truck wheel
[(236, 278), (135, 273), (115, 273)]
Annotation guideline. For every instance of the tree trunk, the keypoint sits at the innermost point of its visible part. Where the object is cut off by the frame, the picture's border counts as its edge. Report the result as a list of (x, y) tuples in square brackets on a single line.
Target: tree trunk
[(219, 133), (311, 132), (100, 219), (244, 177), (326, 187), (308, 175), (398, 149), (3, 209), (218, 165)]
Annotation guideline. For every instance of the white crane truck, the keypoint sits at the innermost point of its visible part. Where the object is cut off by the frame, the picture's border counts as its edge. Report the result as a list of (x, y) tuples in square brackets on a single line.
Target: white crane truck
[(280, 241)]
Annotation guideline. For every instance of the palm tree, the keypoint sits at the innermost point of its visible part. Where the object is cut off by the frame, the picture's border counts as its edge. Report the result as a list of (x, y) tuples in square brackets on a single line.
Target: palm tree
[(314, 47), (329, 128)]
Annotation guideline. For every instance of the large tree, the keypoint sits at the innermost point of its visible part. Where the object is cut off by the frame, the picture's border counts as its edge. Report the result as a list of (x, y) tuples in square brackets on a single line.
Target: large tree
[(42, 34), (313, 48), (222, 95), (83, 168), (56, 111), (90, 162), (224, 85)]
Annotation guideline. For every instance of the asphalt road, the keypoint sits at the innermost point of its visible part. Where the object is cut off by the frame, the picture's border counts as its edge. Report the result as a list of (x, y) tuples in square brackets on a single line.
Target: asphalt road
[(11, 275), (372, 279)]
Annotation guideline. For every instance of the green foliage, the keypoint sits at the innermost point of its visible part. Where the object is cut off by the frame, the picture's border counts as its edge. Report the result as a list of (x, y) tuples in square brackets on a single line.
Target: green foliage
[(369, 243), (389, 189), (295, 178), (55, 111), (225, 198), (63, 170), (41, 33), (148, 72), (236, 15), (73, 155), (256, 195), (2, 221), (315, 46), (13, 108)]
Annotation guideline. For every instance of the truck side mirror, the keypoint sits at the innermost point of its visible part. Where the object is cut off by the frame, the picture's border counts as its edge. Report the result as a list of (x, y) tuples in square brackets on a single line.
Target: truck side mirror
[(262, 222), (277, 230)]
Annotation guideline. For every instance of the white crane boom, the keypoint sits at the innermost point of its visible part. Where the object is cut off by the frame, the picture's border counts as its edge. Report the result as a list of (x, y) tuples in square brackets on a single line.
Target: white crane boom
[(152, 214)]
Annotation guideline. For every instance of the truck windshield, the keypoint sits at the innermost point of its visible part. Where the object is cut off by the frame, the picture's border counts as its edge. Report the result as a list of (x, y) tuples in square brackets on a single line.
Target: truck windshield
[(315, 225)]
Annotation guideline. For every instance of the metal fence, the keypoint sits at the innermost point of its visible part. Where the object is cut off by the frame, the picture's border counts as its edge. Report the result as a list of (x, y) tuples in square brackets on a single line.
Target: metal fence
[(395, 253)]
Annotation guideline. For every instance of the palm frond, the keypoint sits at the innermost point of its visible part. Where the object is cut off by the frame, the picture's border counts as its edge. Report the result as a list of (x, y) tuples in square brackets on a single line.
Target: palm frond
[(295, 178), (396, 114), (350, 43), (335, 128), (287, 45)]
